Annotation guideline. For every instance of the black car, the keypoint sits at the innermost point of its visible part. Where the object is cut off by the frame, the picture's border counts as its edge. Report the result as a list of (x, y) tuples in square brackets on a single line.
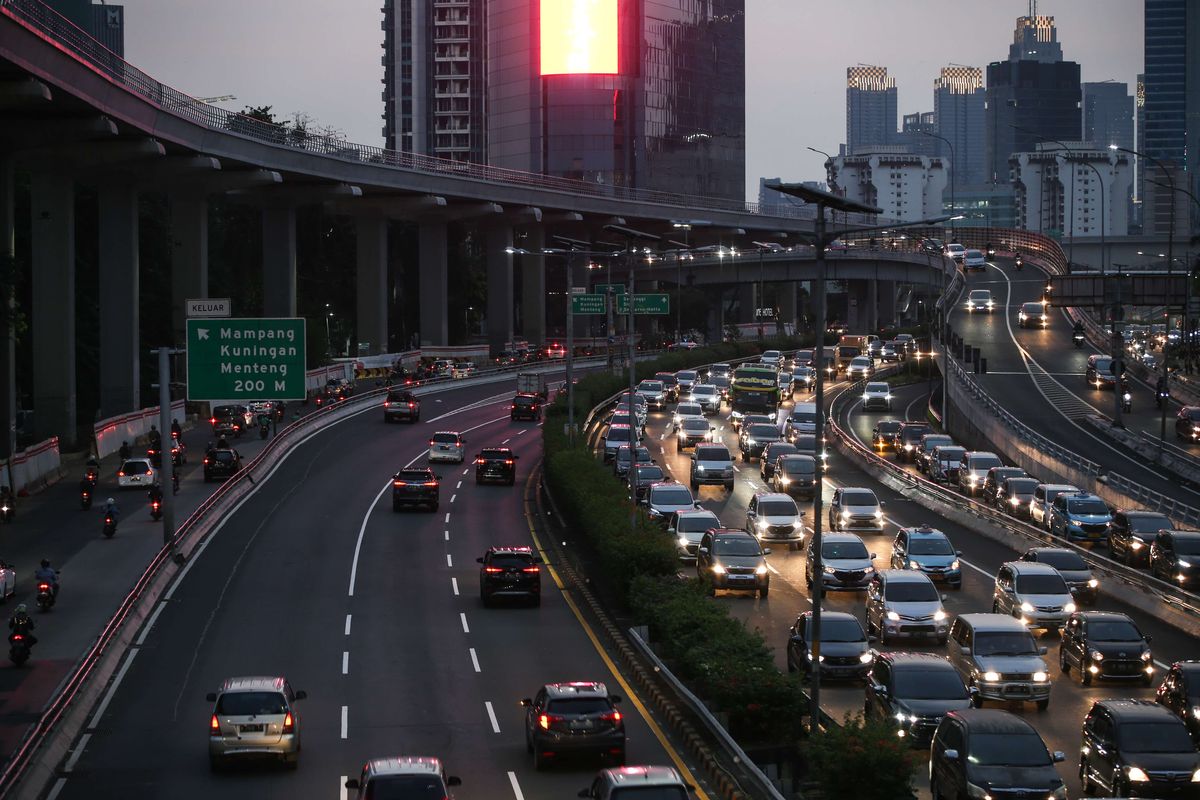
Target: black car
[(771, 454), (1136, 748), (796, 475), (221, 462), (574, 718), (415, 487), (995, 477), (646, 475), (1175, 557), (914, 691), (526, 406), (401, 404), (670, 385), (908, 439), (496, 465), (1180, 693), (1099, 373), (228, 421), (986, 752), (510, 572), (1105, 644), (1132, 533), (884, 434), (1187, 424), (755, 437), (844, 654)]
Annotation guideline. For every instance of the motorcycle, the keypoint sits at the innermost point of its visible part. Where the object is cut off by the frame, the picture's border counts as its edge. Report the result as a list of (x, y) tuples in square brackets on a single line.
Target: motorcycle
[(1161, 397), (7, 512), (18, 652), (175, 482), (1078, 339), (1018, 262), (110, 526), (156, 510), (1126, 402), (91, 475), (45, 596), (264, 429), (85, 499)]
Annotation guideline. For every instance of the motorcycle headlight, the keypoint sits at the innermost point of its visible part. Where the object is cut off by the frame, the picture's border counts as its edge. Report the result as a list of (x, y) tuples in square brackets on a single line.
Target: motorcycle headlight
[(1136, 775), (760, 570), (1096, 655), (718, 569), (991, 675), (893, 616), (939, 615), (1069, 608), (1040, 677), (1027, 607)]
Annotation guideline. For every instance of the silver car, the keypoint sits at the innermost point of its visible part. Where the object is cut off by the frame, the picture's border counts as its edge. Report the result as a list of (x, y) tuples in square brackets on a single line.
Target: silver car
[(905, 604), (855, 509), (998, 658), (688, 526), (1035, 593), (666, 498), (627, 783), (708, 396), (447, 446), (774, 517), (1043, 497), (615, 438), (254, 716)]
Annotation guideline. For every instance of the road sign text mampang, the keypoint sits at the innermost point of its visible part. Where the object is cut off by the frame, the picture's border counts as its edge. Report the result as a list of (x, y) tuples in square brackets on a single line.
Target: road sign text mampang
[(246, 359)]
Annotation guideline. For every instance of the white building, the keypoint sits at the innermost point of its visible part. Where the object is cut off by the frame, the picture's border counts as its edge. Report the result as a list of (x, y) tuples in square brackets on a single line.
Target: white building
[(1070, 190), (907, 187)]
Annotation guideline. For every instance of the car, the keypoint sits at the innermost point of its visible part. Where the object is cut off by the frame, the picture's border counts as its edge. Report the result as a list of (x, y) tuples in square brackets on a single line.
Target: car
[(974, 470), (997, 656), (688, 526), (272, 408), (1015, 494), (892, 352), (996, 476), (774, 517), (616, 437), (670, 385), (711, 463), (1079, 517), (795, 475), (1036, 594), (707, 396), (986, 752), (462, 369), (1175, 557), (403, 776), (771, 357), (691, 432), (633, 783), (908, 439), (924, 449), (623, 459), (845, 649), (905, 604), (786, 387), (945, 463), (734, 560), (1075, 571), (1033, 315), (860, 368), (401, 404), (884, 434), (845, 563), (914, 691), (1043, 497), (665, 498), (496, 465), (722, 370), (647, 474), (877, 395), (804, 377), (623, 418), (220, 462), (1137, 748), (1132, 532), (136, 472), (415, 486), (254, 717), (754, 438), (772, 453), (1180, 694), (802, 419), (447, 446), (230, 420), (980, 300), (574, 718), (526, 406), (685, 409), (935, 246), (956, 251), (1105, 644), (722, 385), (928, 551), (687, 378), (806, 445), (1099, 373), (855, 509), (510, 572), (655, 393), (1187, 424), (974, 259)]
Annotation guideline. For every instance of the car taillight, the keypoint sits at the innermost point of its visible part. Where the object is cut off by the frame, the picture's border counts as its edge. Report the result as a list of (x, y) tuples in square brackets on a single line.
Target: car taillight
[(431, 442), (612, 716), (206, 461), (289, 724), (534, 568), (508, 461), (546, 720), (514, 405), (213, 421), (411, 404), (120, 473), (493, 570), (386, 403), (214, 725), (17, 637), (149, 472), (430, 483), (397, 483), (479, 461)]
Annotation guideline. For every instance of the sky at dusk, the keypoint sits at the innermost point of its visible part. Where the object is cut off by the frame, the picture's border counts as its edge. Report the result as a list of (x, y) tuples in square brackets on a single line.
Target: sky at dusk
[(322, 58)]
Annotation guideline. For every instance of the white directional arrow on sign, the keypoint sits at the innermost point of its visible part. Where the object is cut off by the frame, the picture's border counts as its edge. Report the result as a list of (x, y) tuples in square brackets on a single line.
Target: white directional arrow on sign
[(202, 333)]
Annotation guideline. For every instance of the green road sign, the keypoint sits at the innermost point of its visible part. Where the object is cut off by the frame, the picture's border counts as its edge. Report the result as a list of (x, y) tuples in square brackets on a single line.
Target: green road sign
[(617, 288), (245, 359), (645, 304), (588, 304)]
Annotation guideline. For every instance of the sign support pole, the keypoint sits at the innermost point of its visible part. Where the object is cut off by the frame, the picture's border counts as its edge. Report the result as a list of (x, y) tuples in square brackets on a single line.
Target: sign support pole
[(166, 455)]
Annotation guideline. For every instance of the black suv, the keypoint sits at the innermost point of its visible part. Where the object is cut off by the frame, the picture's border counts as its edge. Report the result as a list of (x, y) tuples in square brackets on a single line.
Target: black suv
[(401, 404), (1105, 644), (496, 465), (884, 434), (221, 462), (1131, 534), (909, 439), (1099, 373), (228, 421), (1180, 693), (510, 572), (1136, 748), (415, 487), (915, 690), (579, 717), (986, 752), (1175, 557), (526, 406)]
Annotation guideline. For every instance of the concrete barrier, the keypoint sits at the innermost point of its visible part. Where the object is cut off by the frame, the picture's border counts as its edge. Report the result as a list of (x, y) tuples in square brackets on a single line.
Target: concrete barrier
[(33, 467), (111, 432)]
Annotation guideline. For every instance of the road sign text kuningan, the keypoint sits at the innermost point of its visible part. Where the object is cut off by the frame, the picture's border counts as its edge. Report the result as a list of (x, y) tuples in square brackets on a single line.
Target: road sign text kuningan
[(245, 359), (588, 304)]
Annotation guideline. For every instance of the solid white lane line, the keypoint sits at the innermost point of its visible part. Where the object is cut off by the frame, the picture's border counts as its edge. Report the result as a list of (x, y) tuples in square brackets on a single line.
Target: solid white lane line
[(453, 497), (362, 529), (487, 401), (463, 618), (454, 586), (345, 662), (347, 625), (772, 569), (345, 722), (57, 789), (492, 716), (516, 787), (77, 752), (149, 624), (112, 690), (449, 560), (475, 660)]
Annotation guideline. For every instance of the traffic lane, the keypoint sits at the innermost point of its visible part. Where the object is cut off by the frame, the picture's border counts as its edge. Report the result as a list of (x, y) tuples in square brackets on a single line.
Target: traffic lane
[(267, 596)]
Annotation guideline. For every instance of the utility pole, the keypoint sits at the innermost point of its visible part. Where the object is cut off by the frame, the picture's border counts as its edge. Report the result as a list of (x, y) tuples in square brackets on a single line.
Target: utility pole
[(166, 449)]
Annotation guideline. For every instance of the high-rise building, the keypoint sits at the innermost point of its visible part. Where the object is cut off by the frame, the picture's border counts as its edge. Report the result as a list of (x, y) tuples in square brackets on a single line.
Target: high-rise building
[(433, 78), (1108, 112), (906, 186), (958, 107), (103, 22), (914, 136), (1076, 193), (1139, 178), (1032, 97), (870, 108)]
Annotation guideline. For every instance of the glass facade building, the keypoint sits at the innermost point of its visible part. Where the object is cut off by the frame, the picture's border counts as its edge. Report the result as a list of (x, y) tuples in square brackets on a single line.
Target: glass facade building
[(1172, 110), (870, 108), (958, 105)]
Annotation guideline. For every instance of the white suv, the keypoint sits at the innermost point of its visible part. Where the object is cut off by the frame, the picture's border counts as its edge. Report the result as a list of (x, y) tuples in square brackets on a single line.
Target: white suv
[(774, 517), (1035, 593), (447, 446), (980, 300)]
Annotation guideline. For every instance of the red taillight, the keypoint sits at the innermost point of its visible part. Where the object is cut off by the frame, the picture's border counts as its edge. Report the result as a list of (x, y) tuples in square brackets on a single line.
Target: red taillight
[(431, 442), (493, 570), (206, 461), (43, 587), (531, 569), (508, 461), (213, 421), (479, 461), (386, 403), (397, 483), (149, 472), (514, 405), (412, 404), (289, 724), (544, 721), (214, 725), (17, 637), (120, 473), (612, 716)]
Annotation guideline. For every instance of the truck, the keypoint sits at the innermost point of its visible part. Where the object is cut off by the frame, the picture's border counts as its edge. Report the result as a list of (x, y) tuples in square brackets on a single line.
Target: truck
[(753, 390), (531, 383)]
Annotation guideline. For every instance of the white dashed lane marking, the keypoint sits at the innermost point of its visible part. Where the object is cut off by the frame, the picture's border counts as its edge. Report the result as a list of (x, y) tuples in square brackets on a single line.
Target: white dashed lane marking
[(454, 586), (347, 625), (463, 618), (475, 660), (491, 712)]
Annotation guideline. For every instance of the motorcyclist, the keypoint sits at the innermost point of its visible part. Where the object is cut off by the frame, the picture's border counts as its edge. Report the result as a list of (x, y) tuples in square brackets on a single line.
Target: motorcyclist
[(126, 451), (222, 443), (48, 574), (155, 437), (20, 623), (111, 510), (155, 493), (176, 430), (86, 486), (1079, 329)]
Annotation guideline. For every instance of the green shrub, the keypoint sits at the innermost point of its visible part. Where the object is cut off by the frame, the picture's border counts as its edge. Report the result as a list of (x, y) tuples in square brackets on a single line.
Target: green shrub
[(839, 757)]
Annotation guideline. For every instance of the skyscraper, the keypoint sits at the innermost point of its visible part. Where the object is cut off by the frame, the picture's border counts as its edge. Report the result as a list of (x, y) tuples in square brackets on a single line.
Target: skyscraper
[(870, 108), (958, 107), (1032, 97), (1108, 114), (913, 136)]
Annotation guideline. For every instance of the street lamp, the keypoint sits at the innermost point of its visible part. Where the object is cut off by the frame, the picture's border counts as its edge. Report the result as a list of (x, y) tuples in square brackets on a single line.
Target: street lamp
[(953, 161)]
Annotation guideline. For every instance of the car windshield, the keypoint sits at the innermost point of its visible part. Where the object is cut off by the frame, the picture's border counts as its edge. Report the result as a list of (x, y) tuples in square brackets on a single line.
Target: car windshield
[(698, 522), (686, 375), (692, 425), (1113, 630), (510, 560), (806, 443), (736, 546), (764, 432), (889, 426), (1149, 523), (1092, 506), (623, 454), (720, 381), (859, 497), (246, 704), (1032, 308), (1192, 414), (951, 453), (504, 455), (878, 387), (1017, 486), (649, 793), (798, 465), (984, 463), (1008, 750), (650, 386), (861, 361), (803, 416), (1155, 737), (579, 705), (688, 409), (524, 401), (135, 466), (913, 432), (912, 592), (671, 496), (754, 419), (981, 294), (405, 787), (930, 546), (713, 454), (777, 508), (621, 419), (844, 550), (414, 476), (1041, 584), (1004, 643), (650, 473), (704, 390), (445, 438), (913, 684), (841, 630), (1062, 559)]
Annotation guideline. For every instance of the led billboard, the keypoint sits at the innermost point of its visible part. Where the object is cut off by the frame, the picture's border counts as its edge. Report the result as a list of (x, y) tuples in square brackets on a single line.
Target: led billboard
[(579, 37)]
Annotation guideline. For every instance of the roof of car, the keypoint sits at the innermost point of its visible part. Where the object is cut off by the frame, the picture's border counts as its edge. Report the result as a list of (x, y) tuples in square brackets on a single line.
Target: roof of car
[(1184, 534), (642, 776), (992, 720), (404, 765), (519, 549), (577, 689), (1031, 568), (1093, 616), (842, 616), (1139, 710), (901, 660), (832, 536), (773, 496), (527, 396), (1140, 513), (903, 576), (254, 683), (1002, 622)]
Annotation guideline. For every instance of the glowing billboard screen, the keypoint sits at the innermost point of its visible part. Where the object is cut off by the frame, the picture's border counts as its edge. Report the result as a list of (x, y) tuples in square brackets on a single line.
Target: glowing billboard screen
[(579, 37)]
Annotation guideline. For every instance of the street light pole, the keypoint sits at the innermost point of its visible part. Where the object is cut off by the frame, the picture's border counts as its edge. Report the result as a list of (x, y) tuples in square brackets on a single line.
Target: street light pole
[(953, 171), (166, 452)]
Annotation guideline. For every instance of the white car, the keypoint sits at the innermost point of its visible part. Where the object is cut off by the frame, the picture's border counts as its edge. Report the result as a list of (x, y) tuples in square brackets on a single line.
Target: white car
[(707, 396), (980, 300), (956, 251), (8, 581), (877, 395), (684, 410), (462, 369), (447, 446), (136, 472), (974, 259), (771, 357), (860, 367)]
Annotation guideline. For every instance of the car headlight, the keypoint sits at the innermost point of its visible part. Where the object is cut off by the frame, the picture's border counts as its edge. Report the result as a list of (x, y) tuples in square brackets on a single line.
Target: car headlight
[(1184, 564), (718, 569), (760, 570), (1040, 677), (1146, 656), (939, 615), (1069, 608), (810, 658), (1136, 775), (991, 675), (762, 524), (797, 525), (954, 564), (846, 518), (1016, 501), (699, 468), (1093, 583), (866, 658), (1096, 655), (879, 515), (683, 542), (971, 479), (1027, 607), (1196, 776), (827, 569), (914, 565), (893, 616), (784, 479), (1136, 545)]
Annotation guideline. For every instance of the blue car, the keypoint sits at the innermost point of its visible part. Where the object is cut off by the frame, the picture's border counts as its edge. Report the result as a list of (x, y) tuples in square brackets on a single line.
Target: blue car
[(1080, 517), (930, 551)]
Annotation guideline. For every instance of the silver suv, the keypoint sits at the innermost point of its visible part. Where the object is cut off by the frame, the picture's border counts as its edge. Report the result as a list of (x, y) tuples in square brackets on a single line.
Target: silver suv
[(974, 471), (905, 604), (633, 783), (1035, 593), (1043, 496), (665, 498), (997, 656), (711, 463), (855, 509), (403, 776), (774, 517), (688, 526), (254, 716)]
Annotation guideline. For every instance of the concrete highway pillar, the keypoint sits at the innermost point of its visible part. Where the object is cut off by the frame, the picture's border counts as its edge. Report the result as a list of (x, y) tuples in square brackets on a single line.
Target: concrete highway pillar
[(499, 287), (856, 301), (371, 282), (52, 206), (189, 257), (120, 332), (533, 287), (887, 302), (432, 254), (8, 371), (872, 306), (746, 302), (279, 260), (785, 294)]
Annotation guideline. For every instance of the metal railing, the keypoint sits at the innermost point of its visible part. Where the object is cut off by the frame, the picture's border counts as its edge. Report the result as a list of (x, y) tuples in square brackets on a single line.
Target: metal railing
[(1179, 512)]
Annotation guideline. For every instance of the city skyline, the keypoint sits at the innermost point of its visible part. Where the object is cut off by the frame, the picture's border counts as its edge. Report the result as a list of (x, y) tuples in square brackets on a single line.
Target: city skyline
[(795, 77)]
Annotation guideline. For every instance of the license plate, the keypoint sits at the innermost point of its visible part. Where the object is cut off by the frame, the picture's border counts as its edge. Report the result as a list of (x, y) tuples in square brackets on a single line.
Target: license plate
[(415, 488), (250, 728), (741, 577), (581, 725), (1016, 690)]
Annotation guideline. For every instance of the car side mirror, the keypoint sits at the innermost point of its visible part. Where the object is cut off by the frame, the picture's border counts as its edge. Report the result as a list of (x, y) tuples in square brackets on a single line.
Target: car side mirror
[(703, 551), (211, 697), (301, 695), (872, 556), (526, 702), (1043, 650), (966, 651), (352, 783), (766, 551), (958, 553), (1059, 756), (950, 755), (479, 560), (945, 597), (453, 780)]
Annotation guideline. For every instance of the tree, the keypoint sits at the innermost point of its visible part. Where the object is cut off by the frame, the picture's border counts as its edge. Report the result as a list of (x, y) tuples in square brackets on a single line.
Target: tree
[(841, 756)]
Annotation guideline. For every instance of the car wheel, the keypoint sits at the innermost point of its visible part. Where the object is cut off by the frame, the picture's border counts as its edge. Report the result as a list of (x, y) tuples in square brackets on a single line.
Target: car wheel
[(539, 760), (1063, 666), (1085, 675), (763, 591), (1042, 705)]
